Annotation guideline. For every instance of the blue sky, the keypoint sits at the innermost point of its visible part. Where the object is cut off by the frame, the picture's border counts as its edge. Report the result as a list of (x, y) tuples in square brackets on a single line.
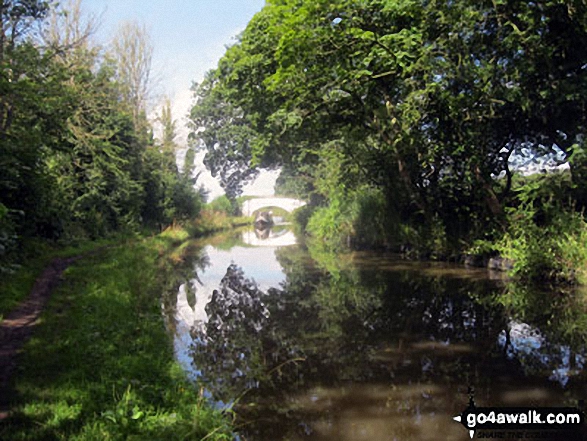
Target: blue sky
[(189, 37)]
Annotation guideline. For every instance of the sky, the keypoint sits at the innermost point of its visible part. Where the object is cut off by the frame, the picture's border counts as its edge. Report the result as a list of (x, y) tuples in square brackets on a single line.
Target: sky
[(189, 37)]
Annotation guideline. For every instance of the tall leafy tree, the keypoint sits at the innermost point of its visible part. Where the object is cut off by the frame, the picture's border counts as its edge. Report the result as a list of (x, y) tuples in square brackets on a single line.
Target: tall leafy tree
[(34, 107), (427, 101), (77, 158), (170, 194)]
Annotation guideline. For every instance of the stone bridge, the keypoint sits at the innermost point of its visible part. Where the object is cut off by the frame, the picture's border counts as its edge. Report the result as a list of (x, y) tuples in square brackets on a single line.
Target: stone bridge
[(288, 204)]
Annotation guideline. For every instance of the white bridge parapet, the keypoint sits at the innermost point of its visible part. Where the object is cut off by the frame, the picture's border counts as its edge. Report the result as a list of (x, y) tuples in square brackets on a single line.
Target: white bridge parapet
[(288, 204)]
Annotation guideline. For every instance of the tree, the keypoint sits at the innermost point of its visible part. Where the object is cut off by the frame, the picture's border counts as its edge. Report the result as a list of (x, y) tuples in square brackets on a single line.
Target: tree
[(427, 101), (168, 128), (67, 32), (34, 107), (18, 18), (133, 51), (77, 156), (169, 193), (227, 136)]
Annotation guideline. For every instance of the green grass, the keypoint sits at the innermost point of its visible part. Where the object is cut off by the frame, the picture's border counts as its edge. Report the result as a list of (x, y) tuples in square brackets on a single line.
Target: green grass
[(35, 256), (16, 286), (100, 365), (174, 235)]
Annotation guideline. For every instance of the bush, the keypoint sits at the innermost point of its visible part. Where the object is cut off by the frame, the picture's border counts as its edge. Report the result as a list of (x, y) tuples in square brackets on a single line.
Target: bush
[(551, 251), (222, 205), (301, 216), (423, 240), (332, 224), (360, 219)]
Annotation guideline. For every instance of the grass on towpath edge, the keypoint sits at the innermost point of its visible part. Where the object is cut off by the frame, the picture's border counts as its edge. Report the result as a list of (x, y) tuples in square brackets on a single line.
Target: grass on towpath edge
[(100, 364), (16, 283)]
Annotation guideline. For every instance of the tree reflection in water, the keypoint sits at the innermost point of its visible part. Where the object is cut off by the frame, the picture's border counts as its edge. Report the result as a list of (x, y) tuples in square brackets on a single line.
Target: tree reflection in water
[(342, 341), (230, 354)]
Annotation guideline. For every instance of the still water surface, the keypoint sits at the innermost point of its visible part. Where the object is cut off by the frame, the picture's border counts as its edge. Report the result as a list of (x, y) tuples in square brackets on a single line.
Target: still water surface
[(364, 346)]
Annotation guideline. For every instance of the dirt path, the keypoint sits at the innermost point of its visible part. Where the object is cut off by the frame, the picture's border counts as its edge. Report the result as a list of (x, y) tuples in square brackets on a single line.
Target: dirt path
[(18, 326)]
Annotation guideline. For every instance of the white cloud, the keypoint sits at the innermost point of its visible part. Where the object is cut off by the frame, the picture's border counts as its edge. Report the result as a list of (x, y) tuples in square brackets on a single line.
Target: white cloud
[(205, 179), (264, 185), (181, 106)]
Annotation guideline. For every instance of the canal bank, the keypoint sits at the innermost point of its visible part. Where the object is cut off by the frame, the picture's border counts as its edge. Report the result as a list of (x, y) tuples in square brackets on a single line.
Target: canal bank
[(100, 364)]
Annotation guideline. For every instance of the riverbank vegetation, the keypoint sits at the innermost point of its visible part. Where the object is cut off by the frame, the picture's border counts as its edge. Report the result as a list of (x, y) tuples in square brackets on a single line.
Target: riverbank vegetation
[(101, 363), (411, 125), (218, 215)]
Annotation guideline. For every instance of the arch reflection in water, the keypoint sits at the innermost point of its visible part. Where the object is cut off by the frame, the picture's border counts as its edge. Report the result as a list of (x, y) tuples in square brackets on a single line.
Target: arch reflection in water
[(269, 237)]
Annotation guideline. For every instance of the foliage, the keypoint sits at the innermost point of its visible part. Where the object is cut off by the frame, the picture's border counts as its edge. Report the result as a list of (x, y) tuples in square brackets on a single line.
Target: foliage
[(221, 204), (215, 221), (301, 216), (224, 128), (102, 366), (77, 156), (426, 102), (359, 218), (331, 224), (174, 234), (545, 234), (296, 184), (551, 251), (560, 314), (35, 107)]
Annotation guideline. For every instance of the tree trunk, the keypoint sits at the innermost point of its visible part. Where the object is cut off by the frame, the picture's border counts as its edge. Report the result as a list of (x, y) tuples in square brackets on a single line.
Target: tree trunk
[(491, 198)]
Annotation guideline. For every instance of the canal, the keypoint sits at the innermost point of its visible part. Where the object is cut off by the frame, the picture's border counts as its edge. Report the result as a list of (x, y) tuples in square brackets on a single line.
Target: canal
[(303, 344)]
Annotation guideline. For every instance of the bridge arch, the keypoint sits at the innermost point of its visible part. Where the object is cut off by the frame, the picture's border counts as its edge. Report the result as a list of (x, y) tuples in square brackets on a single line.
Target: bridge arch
[(288, 204)]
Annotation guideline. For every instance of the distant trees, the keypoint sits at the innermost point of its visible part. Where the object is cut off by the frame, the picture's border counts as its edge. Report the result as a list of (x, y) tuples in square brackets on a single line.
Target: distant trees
[(170, 194), (67, 32)]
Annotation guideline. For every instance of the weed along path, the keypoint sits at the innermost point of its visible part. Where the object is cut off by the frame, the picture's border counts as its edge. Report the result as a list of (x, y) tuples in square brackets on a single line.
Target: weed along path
[(18, 326)]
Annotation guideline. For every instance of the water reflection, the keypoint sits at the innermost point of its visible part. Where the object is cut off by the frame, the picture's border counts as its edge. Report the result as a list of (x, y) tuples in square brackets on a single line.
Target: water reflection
[(188, 313), (307, 344), (537, 355), (269, 237)]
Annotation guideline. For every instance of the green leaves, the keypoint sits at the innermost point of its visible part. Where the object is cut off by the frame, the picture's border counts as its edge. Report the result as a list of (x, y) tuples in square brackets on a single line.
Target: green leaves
[(74, 156), (424, 100)]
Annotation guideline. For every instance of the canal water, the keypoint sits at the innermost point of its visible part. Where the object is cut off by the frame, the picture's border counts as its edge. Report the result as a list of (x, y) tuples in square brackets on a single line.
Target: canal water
[(303, 344)]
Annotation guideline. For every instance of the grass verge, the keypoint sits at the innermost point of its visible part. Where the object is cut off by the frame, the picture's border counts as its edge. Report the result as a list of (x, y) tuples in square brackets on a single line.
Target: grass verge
[(35, 256), (100, 365)]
